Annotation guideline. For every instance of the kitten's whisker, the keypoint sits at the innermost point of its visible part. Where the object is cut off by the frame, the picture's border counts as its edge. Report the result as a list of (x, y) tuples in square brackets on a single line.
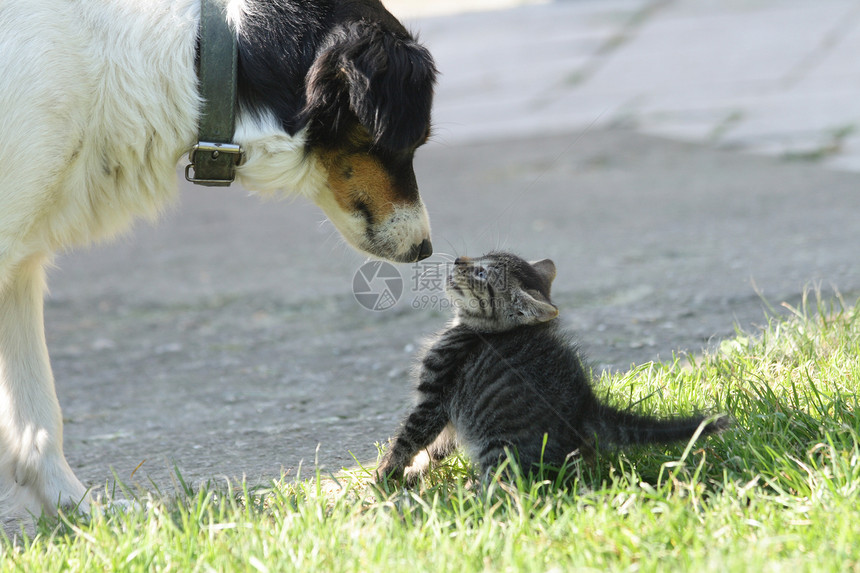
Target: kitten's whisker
[(450, 244), (447, 256), (427, 271)]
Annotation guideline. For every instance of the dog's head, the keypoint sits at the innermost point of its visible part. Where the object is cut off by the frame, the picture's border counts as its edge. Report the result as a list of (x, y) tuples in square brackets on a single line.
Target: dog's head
[(368, 109), (365, 109)]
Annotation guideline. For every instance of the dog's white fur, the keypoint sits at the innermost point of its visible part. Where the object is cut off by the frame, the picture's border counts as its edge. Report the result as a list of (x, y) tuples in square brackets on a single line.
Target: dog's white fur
[(98, 102)]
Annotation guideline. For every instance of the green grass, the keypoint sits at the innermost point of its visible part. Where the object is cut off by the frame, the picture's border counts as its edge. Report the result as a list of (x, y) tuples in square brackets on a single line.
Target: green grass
[(780, 491)]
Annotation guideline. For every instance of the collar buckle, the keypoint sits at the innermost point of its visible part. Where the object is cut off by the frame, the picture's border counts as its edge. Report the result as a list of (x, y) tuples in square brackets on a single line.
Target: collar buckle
[(217, 161), (214, 164)]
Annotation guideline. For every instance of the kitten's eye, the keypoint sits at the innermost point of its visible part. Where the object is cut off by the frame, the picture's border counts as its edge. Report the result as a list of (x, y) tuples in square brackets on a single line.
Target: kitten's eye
[(480, 273)]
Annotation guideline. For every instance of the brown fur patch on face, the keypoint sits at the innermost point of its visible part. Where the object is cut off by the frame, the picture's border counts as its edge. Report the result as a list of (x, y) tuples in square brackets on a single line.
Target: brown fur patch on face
[(361, 181), (360, 184)]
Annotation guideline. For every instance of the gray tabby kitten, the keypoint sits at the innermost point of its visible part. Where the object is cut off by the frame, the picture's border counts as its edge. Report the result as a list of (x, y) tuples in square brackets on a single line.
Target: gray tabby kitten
[(504, 375)]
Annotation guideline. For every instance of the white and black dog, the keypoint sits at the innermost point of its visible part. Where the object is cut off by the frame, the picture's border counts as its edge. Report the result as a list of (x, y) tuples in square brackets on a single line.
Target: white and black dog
[(98, 102)]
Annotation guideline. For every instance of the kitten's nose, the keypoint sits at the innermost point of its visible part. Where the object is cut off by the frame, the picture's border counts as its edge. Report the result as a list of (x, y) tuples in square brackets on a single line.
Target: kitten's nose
[(462, 261)]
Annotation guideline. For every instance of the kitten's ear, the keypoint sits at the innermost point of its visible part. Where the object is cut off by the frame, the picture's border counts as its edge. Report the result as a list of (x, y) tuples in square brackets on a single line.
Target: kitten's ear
[(533, 308), (545, 268)]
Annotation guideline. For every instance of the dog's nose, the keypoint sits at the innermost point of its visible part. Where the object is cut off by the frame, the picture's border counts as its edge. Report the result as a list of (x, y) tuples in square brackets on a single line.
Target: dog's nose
[(424, 250)]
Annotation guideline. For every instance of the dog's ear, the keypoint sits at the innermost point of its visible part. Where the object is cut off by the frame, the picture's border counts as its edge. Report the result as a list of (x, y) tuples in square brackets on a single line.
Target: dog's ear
[(386, 81), (326, 96), (391, 88)]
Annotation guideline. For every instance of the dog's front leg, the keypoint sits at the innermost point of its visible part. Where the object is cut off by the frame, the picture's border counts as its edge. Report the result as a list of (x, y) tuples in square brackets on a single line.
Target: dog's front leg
[(34, 474)]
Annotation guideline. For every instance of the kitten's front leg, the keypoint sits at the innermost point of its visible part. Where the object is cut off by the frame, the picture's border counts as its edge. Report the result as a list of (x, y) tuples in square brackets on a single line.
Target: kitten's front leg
[(421, 427), (429, 418), (442, 447)]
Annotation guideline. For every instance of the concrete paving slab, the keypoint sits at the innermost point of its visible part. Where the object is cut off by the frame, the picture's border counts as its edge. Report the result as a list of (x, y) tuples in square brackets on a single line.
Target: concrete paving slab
[(672, 53), (410, 9), (776, 77), (833, 63), (512, 70), (849, 156), (825, 114)]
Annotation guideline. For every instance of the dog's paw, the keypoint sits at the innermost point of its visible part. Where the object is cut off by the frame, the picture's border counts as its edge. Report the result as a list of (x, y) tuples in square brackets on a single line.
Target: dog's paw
[(21, 507), (44, 479)]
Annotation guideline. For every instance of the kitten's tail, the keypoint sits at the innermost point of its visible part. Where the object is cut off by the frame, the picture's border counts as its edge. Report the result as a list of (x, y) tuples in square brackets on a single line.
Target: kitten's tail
[(626, 428)]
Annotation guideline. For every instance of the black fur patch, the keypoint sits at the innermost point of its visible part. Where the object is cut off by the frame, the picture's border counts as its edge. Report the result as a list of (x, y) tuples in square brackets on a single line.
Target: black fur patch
[(330, 64), (368, 73), (278, 42)]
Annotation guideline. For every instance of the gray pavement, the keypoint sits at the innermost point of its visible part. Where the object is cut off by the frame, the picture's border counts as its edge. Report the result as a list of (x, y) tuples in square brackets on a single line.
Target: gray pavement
[(226, 339), (777, 77)]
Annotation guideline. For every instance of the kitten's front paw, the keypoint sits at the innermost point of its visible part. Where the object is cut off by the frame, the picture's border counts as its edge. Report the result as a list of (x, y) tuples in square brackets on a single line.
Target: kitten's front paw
[(388, 471), (417, 469)]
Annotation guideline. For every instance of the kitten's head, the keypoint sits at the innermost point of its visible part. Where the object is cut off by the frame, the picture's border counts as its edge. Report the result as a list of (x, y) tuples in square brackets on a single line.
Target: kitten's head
[(500, 291)]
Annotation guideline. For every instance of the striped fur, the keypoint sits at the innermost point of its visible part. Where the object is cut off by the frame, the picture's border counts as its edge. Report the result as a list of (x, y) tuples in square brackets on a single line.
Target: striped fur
[(504, 376)]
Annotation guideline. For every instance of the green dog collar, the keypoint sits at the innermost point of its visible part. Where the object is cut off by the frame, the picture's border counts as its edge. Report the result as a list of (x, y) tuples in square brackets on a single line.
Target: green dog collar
[(214, 157)]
